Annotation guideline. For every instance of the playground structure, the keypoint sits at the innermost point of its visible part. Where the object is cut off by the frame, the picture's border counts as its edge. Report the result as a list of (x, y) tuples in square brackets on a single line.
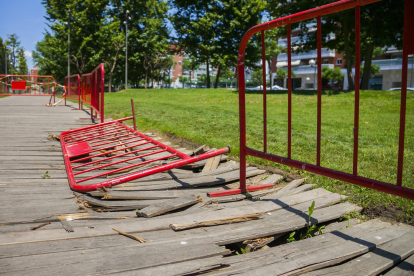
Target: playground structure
[(27, 85), (354, 178)]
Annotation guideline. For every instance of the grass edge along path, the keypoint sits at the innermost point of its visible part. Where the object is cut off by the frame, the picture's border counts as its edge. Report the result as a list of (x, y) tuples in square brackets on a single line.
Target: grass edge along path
[(210, 116)]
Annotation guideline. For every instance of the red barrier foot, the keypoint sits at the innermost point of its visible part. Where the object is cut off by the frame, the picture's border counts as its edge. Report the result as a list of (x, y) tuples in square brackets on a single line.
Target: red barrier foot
[(239, 191)]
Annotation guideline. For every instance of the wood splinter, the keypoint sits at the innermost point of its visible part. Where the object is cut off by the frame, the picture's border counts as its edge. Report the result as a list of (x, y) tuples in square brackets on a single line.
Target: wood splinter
[(39, 226), (130, 236)]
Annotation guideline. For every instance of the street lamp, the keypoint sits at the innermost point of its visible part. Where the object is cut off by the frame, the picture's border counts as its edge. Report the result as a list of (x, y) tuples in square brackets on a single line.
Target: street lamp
[(68, 23), (126, 48), (312, 64)]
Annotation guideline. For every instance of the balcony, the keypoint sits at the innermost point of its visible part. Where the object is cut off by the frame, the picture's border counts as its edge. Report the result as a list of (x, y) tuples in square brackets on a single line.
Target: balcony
[(391, 64), (307, 69), (307, 55)]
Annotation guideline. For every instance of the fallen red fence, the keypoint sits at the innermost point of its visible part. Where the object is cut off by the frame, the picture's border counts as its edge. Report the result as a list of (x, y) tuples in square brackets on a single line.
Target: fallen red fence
[(92, 91), (95, 153), (73, 88), (27, 85), (354, 178)]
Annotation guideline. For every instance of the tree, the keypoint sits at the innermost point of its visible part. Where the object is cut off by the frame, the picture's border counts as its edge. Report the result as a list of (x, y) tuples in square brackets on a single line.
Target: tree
[(272, 49), (282, 74), (190, 64), (183, 80), (13, 44), (3, 58), (212, 30), (21, 59), (257, 76), (113, 41), (332, 74), (375, 69), (83, 19)]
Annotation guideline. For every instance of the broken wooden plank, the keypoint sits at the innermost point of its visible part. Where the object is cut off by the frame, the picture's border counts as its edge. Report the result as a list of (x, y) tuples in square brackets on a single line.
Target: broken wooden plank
[(326, 256), (374, 262), (212, 163), (246, 262), (131, 226), (167, 206), (291, 185)]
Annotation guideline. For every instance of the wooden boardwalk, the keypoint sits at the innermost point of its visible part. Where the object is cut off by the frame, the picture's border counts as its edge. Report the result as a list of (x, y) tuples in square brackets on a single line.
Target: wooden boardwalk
[(177, 230)]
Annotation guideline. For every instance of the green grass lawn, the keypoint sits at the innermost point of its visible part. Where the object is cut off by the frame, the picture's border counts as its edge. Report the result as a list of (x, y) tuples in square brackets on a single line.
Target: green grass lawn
[(3, 97), (211, 117)]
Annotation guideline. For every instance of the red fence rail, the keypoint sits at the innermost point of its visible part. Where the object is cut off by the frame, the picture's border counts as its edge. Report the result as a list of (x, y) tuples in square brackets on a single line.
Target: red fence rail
[(73, 88), (354, 178), (27, 85), (92, 90)]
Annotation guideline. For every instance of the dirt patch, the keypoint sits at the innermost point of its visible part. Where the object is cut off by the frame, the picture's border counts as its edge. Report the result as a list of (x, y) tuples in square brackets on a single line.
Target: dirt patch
[(388, 213)]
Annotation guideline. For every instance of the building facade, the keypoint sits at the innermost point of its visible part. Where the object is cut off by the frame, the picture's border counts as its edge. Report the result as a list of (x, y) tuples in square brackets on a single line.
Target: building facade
[(389, 75)]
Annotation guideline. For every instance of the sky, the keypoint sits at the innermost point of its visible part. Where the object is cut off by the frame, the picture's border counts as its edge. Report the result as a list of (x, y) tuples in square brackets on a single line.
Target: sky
[(26, 19)]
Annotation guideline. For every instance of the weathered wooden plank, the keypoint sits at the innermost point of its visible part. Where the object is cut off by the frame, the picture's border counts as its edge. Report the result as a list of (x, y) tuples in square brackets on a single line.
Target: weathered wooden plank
[(376, 261), (272, 179), (240, 263), (212, 163), (139, 255), (325, 256), (162, 223), (167, 206), (405, 268), (295, 183), (189, 183)]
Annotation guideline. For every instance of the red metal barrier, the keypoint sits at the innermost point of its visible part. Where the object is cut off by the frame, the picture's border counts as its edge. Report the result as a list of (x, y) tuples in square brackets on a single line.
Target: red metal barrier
[(408, 48), (27, 85), (98, 152), (73, 88), (93, 90)]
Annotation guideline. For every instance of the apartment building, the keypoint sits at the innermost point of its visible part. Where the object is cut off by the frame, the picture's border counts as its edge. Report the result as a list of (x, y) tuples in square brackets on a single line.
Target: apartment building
[(305, 68), (177, 71), (304, 65)]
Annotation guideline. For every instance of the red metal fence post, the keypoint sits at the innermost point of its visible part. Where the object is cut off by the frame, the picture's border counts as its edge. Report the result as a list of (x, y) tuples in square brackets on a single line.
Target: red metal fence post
[(289, 42), (407, 49), (264, 93), (319, 119), (357, 73)]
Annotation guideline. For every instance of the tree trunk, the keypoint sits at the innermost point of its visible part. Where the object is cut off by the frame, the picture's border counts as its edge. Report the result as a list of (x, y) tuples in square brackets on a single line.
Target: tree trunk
[(110, 82), (217, 76), (146, 78), (269, 63), (190, 78), (351, 85), (366, 75), (208, 74)]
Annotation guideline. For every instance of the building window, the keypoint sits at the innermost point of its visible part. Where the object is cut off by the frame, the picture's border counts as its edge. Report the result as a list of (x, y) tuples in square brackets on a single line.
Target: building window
[(339, 61), (179, 62), (179, 74), (326, 61), (179, 67)]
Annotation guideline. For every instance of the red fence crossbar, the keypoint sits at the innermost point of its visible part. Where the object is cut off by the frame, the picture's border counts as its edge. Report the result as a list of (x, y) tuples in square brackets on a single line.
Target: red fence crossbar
[(354, 178), (113, 150)]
